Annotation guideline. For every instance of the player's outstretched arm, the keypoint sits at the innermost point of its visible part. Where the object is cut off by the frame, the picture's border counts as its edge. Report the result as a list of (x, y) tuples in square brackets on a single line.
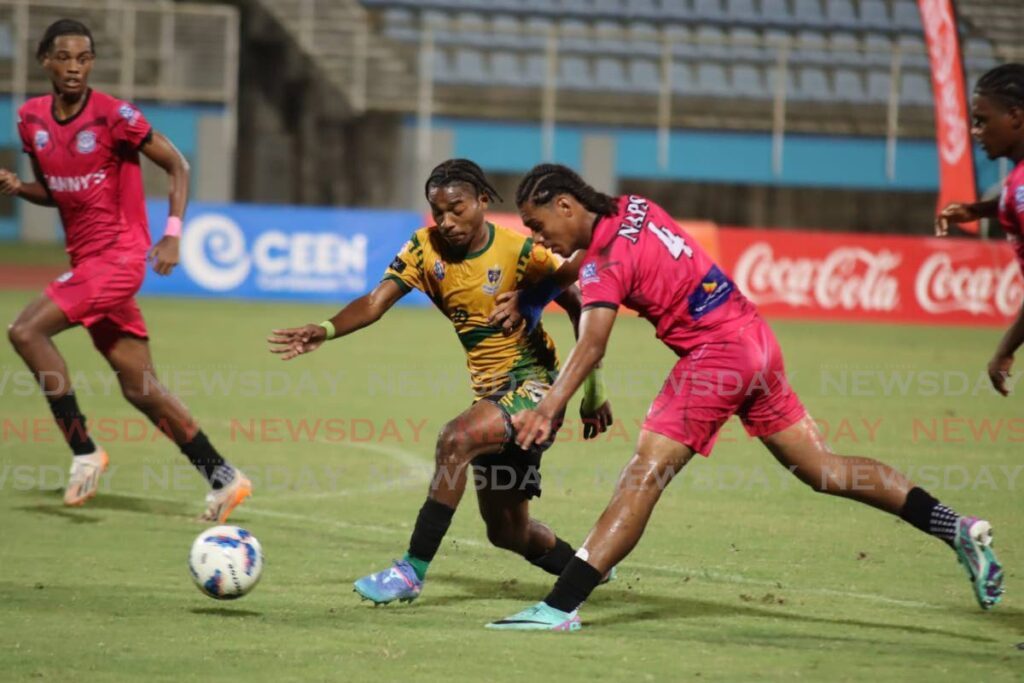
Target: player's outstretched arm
[(1002, 361), (956, 214), (512, 308), (160, 150), (366, 310), (536, 426), (36, 192)]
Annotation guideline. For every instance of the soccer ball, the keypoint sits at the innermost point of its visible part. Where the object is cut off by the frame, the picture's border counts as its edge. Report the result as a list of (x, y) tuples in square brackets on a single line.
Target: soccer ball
[(226, 562)]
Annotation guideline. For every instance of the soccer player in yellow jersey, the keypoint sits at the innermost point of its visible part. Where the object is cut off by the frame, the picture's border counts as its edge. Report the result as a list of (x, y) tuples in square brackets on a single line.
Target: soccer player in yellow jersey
[(462, 263)]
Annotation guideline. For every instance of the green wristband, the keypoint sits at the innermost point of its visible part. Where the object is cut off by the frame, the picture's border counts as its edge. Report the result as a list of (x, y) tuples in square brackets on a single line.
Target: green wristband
[(594, 395), (329, 328)]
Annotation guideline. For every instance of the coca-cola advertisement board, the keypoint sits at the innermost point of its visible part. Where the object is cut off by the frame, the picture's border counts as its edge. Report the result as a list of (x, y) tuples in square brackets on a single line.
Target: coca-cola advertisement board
[(827, 276)]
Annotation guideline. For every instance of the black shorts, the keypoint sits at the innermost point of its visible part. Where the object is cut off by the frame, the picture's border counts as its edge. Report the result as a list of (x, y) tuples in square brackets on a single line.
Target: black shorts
[(512, 468)]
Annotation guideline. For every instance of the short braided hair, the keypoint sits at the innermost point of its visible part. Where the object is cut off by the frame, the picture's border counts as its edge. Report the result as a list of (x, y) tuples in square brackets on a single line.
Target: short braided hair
[(1004, 84), (460, 171), (546, 181), (62, 27)]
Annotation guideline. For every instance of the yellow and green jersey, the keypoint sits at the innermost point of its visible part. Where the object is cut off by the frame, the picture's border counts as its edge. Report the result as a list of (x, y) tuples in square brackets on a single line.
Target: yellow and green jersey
[(465, 289)]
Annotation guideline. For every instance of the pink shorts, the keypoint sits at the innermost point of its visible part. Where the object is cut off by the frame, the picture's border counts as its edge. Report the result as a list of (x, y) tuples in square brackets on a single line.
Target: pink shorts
[(99, 293), (744, 376)]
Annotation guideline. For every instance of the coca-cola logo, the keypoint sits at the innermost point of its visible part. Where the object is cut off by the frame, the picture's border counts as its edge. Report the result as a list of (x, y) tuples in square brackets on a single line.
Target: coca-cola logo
[(846, 278), (944, 51), (944, 287)]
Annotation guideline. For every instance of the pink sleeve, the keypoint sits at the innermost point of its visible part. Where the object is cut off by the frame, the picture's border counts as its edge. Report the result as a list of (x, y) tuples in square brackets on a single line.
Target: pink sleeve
[(128, 125), (26, 144), (606, 281)]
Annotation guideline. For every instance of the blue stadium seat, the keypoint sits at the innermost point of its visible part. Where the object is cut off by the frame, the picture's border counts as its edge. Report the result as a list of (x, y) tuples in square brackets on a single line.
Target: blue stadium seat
[(643, 9), (644, 75), (676, 10), (813, 85), (845, 50), (535, 33), (574, 73), (906, 16), (682, 78), (471, 30), (576, 7), (712, 79), (877, 50), (916, 89), (741, 10), (745, 45), (711, 43), (774, 40), (644, 39), (610, 74), (810, 48), (574, 36), (609, 38), (874, 15), (468, 66), (913, 52), (400, 24), (506, 68), (608, 8), (849, 86), (808, 13), (841, 14), (749, 82), (538, 7), (506, 32), (682, 40), (776, 12), (708, 10), (535, 68), (879, 85)]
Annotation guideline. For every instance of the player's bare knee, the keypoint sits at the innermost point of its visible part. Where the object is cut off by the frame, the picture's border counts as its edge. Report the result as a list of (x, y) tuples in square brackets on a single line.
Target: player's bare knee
[(20, 335), (452, 446)]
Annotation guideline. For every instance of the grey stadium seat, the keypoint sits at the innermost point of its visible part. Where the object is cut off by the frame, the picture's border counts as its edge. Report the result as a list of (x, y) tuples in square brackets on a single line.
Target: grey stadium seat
[(916, 89), (841, 14)]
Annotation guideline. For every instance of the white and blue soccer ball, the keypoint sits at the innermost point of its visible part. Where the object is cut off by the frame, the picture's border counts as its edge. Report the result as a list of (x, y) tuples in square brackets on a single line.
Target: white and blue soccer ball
[(226, 562)]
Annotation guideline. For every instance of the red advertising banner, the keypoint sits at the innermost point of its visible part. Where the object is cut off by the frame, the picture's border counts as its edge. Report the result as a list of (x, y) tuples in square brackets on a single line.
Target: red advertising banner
[(827, 276), (952, 130)]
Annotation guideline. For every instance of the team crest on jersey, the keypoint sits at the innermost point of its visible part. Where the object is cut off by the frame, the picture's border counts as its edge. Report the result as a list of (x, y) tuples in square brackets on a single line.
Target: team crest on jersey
[(439, 269), (588, 273), (493, 280), (85, 142), (42, 139), (128, 113), (460, 316)]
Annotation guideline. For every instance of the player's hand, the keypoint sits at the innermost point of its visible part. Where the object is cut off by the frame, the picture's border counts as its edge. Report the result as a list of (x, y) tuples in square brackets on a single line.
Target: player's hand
[(10, 184), (506, 313), (999, 372), (596, 421), (954, 213), (532, 427), (295, 341), (164, 255)]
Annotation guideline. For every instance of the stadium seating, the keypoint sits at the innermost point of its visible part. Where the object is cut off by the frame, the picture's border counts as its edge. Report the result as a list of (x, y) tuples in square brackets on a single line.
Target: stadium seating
[(838, 50)]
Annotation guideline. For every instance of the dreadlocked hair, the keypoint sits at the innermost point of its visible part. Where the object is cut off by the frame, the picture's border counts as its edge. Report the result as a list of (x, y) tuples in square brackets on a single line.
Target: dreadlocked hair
[(461, 171), (1005, 84), (546, 181), (62, 27)]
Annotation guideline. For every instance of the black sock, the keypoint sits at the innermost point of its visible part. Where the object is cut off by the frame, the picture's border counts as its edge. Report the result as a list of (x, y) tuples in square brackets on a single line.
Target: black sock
[(929, 515), (431, 525), (555, 560), (574, 586), (205, 458), (72, 424)]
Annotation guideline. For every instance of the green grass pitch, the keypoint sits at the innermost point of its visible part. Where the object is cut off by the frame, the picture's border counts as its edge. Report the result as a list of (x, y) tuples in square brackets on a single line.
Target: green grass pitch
[(744, 574)]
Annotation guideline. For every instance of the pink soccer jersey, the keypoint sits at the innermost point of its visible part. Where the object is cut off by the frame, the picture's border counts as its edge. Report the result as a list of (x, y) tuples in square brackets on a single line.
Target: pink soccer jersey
[(1011, 211), (640, 258), (91, 166)]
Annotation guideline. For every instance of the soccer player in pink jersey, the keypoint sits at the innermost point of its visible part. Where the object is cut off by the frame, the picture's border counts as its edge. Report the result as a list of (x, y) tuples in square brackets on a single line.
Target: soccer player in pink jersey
[(997, 110), (84, 146), (637, 256)]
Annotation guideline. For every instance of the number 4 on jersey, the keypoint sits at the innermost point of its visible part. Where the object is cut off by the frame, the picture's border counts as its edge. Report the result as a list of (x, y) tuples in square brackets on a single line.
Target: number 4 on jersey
[(676, 244)]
